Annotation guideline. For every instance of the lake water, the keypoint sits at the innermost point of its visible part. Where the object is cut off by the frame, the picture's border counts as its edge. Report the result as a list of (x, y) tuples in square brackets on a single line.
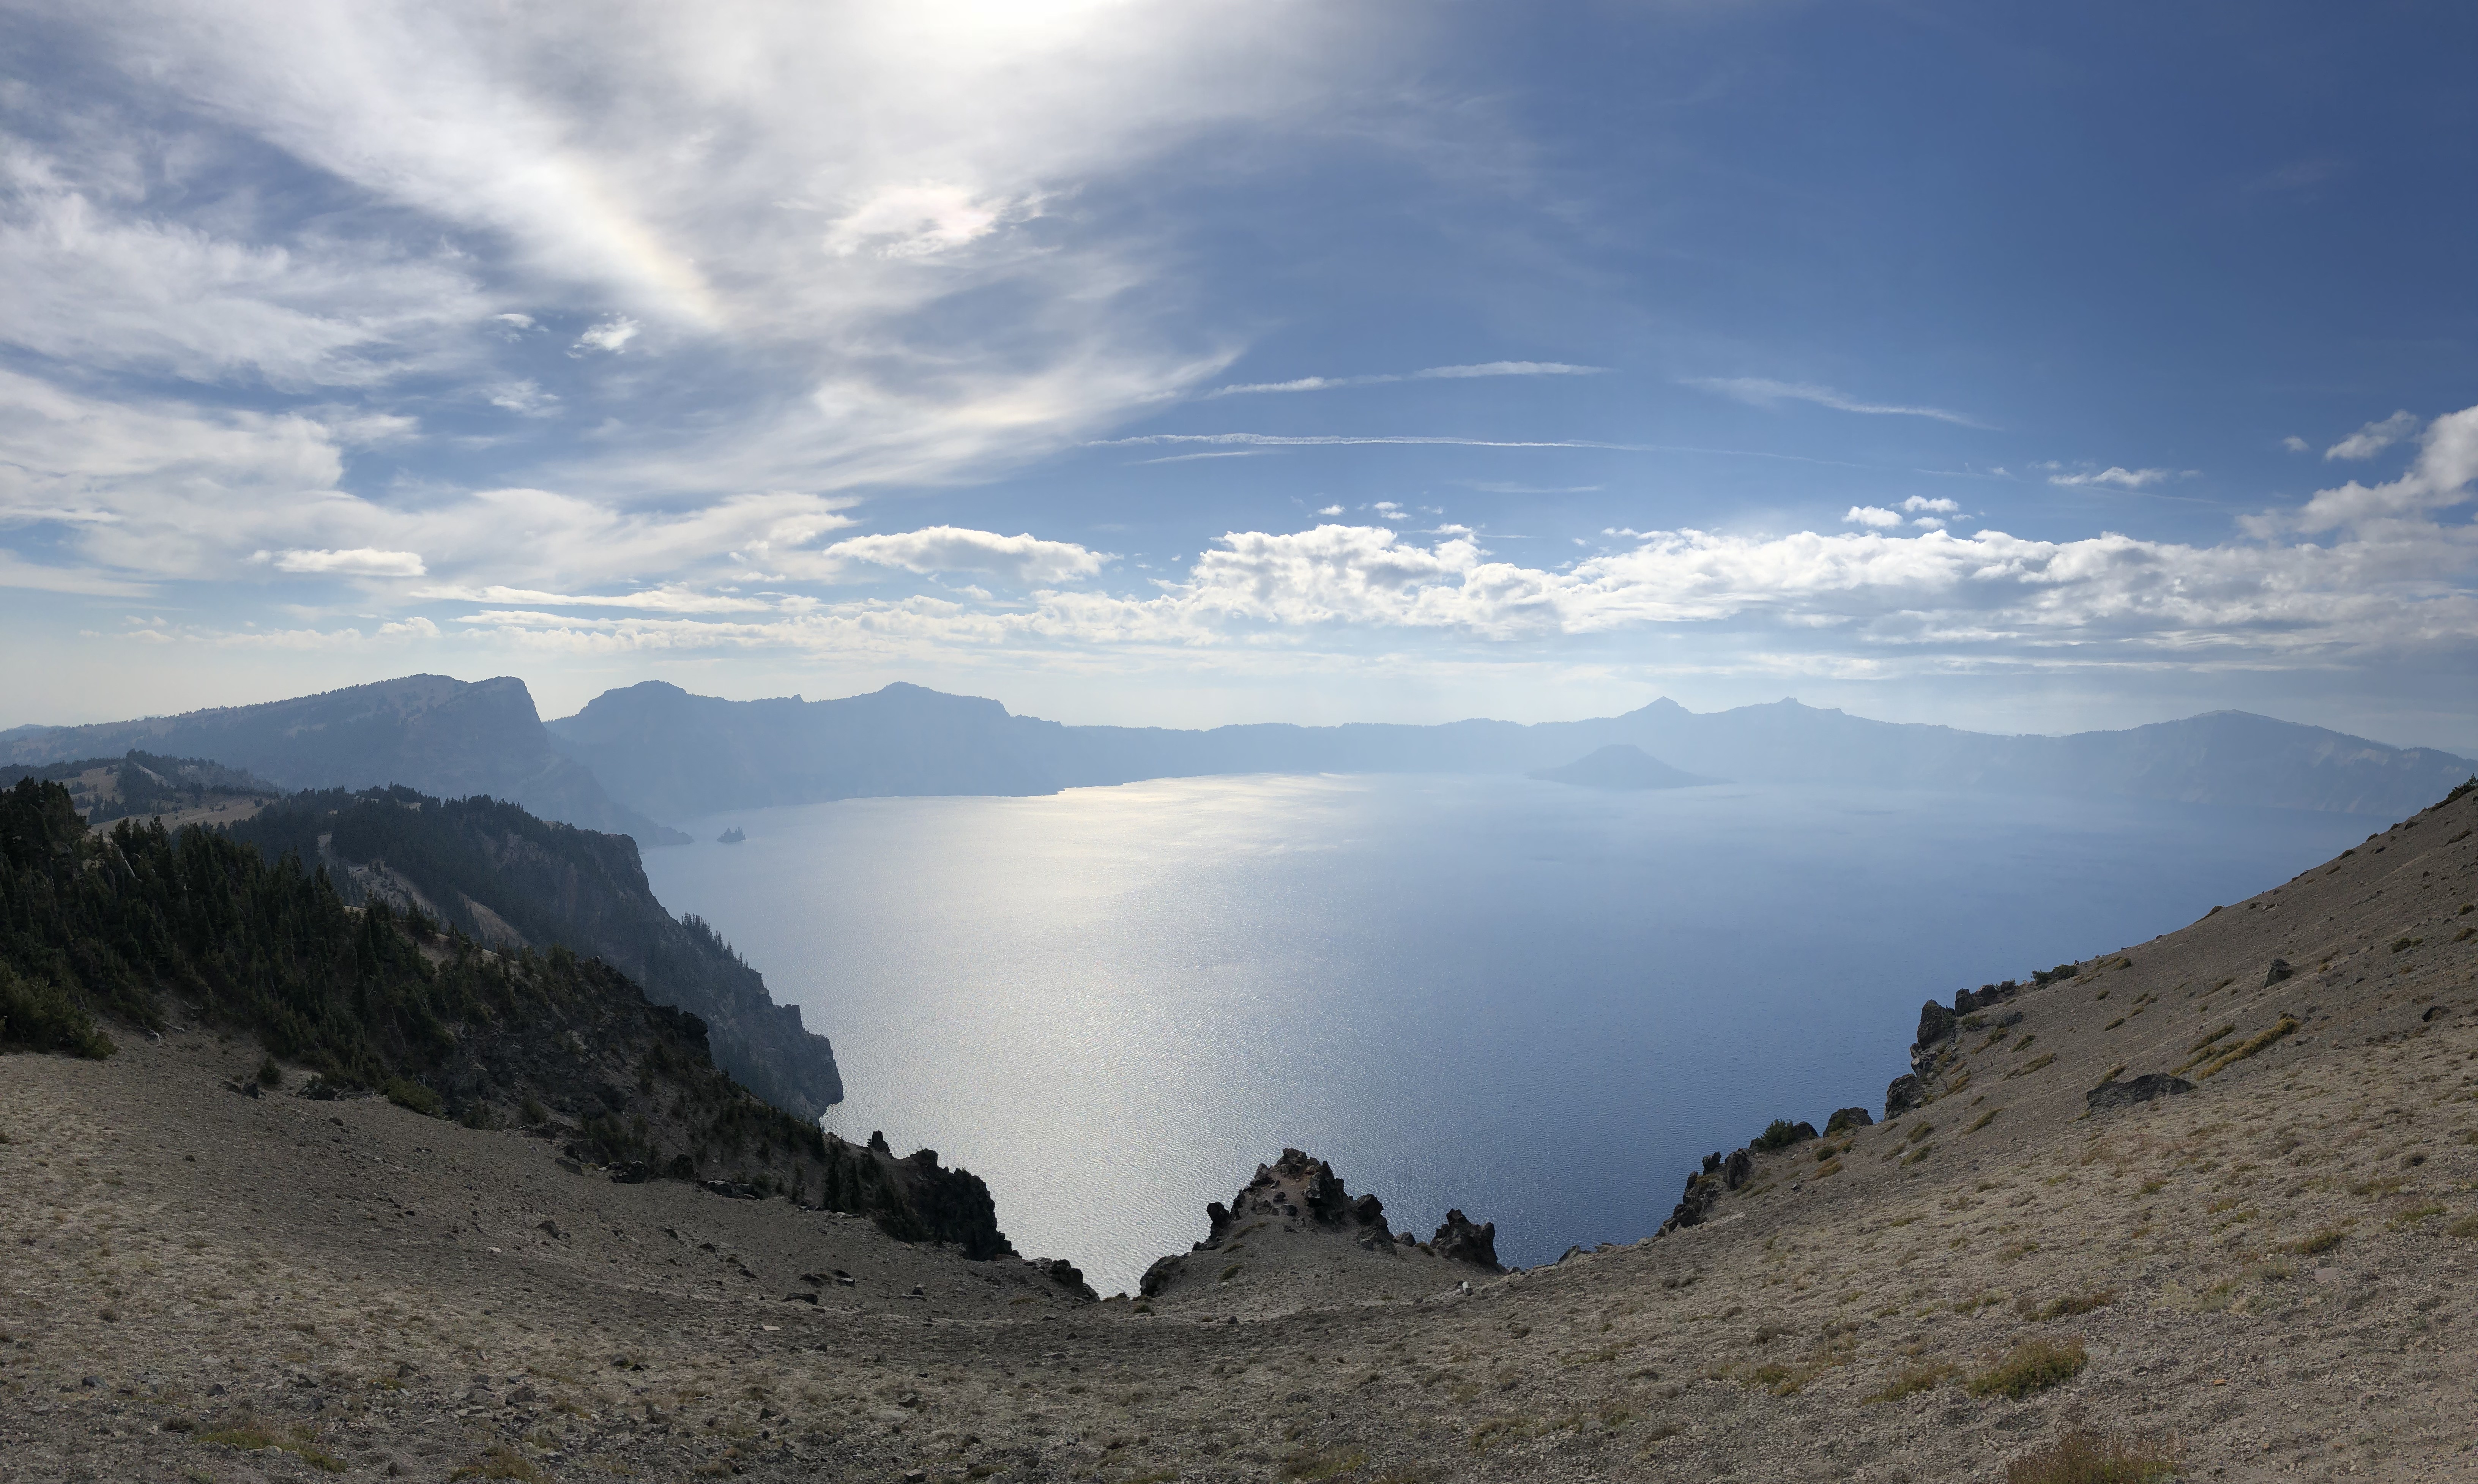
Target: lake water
[(1540, 1004)]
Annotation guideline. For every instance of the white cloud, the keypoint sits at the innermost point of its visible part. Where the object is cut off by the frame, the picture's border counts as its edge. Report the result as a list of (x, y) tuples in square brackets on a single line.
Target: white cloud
[(2113, 475), (1929, 522), (611, 334), (1937, 507), (2438, 478), (1871, 516), (2295, 445), (359, 562), (1387, 510), (525, 399), (919, 220), (2107, 599), (2374, 437), (1763, 392), (1214, 453), (96, 280), (168, 490), (1431, 373), (1509, 368), (1330, 510), (1879, 600), (946, 548), (672, 599)]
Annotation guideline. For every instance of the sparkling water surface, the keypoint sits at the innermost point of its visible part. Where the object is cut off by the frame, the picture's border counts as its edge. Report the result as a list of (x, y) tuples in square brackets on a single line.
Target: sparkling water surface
[(1538, 1003)]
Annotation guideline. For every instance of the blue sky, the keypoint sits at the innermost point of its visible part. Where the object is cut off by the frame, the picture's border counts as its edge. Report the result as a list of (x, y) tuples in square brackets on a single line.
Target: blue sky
[(2022, 368)]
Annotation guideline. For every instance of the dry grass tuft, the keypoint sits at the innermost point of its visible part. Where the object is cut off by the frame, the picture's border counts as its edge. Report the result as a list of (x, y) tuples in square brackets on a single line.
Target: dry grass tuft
[(2091, 1458), (1913, 1380), (2033, 1366)]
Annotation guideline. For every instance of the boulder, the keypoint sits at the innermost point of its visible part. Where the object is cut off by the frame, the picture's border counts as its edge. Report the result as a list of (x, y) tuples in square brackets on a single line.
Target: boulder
[(1936, 1024), (1847, 1117), (1157, 1276), (2142, 1090), (1460, 1241), (1739, 1169), (2277, 971), (1066, 1275), (1904, 1092)]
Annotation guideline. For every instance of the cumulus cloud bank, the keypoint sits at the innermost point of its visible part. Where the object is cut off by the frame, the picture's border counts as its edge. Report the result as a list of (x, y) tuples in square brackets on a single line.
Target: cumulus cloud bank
[(2394, 581)]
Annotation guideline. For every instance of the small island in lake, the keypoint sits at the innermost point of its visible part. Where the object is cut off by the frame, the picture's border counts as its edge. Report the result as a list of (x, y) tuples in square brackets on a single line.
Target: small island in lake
[(731, 837), (1621, 766)]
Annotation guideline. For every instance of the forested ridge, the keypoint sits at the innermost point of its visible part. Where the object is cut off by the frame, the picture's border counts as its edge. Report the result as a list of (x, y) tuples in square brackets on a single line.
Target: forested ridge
[(144, 921)]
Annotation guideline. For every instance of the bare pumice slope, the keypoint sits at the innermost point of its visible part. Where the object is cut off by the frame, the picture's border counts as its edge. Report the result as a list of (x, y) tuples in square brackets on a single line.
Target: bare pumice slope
[(2265, 1276)]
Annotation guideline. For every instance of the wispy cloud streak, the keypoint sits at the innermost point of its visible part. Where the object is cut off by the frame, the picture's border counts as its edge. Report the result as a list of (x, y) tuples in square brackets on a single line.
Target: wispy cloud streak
[(1764, 391), (1431, 373)]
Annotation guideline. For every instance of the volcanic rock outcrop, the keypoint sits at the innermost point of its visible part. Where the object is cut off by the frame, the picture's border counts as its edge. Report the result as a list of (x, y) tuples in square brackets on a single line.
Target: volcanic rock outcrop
[(1296, 1221)]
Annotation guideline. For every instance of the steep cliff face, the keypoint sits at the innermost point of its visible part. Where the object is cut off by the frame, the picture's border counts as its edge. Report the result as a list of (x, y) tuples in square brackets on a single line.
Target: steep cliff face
[(429, 731), (506, 877)]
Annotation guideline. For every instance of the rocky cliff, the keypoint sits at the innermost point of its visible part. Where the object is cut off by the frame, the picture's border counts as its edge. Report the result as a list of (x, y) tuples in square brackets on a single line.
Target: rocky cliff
[(511, 880)]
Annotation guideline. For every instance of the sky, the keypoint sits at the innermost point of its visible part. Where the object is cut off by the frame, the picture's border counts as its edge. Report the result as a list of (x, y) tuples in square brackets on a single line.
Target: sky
[(2020, 368)]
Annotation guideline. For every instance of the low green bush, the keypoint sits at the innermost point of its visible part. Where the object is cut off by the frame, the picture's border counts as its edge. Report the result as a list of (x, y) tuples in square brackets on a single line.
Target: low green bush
[(405, 1093), (37, 1015)]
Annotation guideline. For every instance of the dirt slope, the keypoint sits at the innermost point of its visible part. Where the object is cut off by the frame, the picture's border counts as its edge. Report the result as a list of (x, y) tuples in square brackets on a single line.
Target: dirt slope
[(2269, 1276)]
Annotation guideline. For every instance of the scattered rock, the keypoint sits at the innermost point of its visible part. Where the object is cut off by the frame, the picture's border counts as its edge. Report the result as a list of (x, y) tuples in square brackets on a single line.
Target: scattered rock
[(1965, 1001), (2142, 1090), (571, 1165), (1739, 1168), (807, 1298), (1937, 1023), (731, 1189), (1848, 1118), (552, 1227), (1904, 1092), (2278, 971)]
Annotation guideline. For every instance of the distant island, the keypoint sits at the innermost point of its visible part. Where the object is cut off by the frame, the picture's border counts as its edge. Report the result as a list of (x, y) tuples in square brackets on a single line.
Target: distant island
[(731, 837), (1620, 766)]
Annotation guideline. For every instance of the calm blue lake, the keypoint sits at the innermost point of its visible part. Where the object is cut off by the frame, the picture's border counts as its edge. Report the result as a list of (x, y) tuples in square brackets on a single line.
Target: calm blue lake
[(1538, 1003)]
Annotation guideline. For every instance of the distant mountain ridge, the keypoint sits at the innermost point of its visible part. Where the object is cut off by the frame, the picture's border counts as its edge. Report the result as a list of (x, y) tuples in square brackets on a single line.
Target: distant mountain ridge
[(654, 751), (440, 734), (674, 754)]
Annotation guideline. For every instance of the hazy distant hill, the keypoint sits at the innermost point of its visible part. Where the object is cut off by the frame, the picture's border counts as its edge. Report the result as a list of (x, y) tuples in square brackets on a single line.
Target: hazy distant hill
[(510, 880), (665, 751), (429, 731)]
